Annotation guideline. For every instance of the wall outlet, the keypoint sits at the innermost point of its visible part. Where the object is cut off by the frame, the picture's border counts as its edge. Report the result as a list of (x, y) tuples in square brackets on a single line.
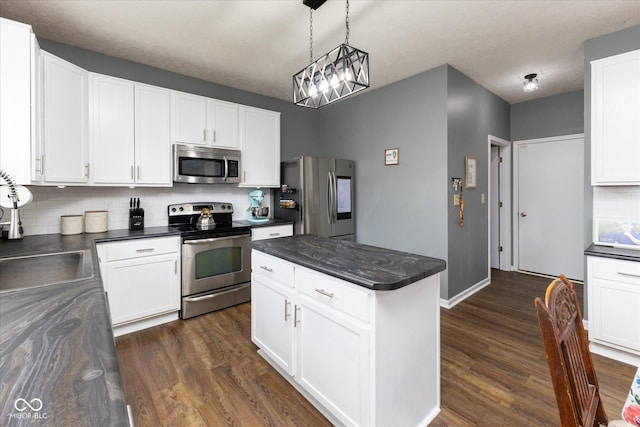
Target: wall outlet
[(482, 198), (456, 200)]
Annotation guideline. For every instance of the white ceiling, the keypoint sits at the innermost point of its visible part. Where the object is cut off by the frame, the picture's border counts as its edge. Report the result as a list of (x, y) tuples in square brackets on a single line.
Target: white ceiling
[(257, 45)]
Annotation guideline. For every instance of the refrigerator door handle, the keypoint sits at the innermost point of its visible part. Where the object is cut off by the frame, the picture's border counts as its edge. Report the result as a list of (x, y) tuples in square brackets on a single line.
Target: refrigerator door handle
[(329, 198), (334, 199)]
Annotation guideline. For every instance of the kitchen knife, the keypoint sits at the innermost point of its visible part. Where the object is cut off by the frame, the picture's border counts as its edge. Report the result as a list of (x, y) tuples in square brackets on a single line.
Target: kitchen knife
[(138, 204)]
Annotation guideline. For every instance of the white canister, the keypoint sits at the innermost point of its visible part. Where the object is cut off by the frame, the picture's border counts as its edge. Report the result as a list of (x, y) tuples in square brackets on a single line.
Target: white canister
[(71, 224), (95, 221)]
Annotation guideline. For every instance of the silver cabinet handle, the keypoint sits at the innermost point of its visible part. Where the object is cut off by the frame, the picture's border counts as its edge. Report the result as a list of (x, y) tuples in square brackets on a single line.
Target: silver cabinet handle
[(286, 312), (138, 172), (622, 273), (264, 267), (86, 170), (175, 266), (146, 250), (214, 135), (39, 161), (132, 172), (204, 135), (325, 293), (296, 320), (274, 234)]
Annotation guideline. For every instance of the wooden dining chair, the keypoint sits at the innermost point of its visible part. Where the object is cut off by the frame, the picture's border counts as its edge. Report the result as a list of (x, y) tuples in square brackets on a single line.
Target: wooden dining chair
[(567, 348)]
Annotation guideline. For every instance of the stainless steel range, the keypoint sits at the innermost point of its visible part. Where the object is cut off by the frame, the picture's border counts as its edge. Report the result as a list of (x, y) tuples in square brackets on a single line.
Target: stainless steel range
[(216, 258)]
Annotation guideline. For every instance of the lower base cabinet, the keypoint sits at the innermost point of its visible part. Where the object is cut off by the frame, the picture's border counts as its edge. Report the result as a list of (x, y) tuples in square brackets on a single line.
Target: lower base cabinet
[(613, 304), (362, 357), (142, 281)]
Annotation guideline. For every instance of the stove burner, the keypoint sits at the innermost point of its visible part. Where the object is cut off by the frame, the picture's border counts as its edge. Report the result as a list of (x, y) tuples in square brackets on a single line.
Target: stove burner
[(184, 218)]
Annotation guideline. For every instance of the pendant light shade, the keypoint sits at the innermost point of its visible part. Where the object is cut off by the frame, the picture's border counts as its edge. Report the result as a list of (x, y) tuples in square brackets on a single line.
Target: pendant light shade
[(336, 75), (340, 73)]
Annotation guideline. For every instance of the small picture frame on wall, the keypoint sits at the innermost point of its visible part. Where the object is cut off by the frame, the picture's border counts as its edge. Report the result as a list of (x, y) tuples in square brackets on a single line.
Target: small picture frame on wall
[(391, 156), (471, 172)]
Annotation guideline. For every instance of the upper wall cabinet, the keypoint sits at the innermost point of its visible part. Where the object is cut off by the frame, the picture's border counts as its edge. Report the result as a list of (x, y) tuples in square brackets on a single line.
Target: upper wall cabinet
[(615, 120), (204, 121), (260, 144), (130, 132), (19, 76), (65, 154)]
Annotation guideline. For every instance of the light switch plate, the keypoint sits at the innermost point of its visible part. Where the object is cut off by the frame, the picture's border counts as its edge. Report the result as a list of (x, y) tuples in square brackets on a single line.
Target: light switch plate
[(456, 200), (482, 198)]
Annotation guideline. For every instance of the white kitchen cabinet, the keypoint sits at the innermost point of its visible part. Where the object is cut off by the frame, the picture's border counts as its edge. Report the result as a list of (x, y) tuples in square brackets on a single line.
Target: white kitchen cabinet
[(613, 303), (130, 132), (272, 320), (260, 145), (333, 357), (271, 232), (615, 120), (204, 121), (19, 72), (142, 281), (362, 357), (65, 150)]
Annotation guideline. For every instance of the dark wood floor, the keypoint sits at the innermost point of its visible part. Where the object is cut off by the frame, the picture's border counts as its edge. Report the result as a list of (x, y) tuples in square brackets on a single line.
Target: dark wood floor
[(205, 371)]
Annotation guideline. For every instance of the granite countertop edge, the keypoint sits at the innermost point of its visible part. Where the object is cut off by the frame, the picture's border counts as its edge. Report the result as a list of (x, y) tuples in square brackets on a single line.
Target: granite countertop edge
[(613, 253), (364, 268)]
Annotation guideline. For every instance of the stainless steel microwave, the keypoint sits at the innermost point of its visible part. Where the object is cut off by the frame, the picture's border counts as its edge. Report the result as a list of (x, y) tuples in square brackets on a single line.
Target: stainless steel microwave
[(205, 165)]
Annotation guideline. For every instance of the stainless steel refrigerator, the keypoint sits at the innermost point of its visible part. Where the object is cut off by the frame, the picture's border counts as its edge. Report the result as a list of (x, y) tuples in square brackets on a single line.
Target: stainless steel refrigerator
[(318, 194)]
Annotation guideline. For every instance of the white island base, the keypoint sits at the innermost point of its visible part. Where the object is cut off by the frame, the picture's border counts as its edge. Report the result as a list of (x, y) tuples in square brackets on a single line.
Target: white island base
[(362, 357)]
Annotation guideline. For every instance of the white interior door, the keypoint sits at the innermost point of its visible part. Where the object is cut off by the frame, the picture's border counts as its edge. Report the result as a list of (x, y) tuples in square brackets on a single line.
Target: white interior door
[(550, 211), (495, 211)]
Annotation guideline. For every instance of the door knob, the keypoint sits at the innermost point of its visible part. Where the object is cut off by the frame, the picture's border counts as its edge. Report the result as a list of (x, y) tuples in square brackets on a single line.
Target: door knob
[(523, 214)]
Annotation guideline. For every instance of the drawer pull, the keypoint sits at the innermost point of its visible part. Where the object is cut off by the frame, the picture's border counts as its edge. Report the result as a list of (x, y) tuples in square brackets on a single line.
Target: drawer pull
[(274, 234), (628, 274), (325, 293), (264, 267), (145, 250), (286, 311)]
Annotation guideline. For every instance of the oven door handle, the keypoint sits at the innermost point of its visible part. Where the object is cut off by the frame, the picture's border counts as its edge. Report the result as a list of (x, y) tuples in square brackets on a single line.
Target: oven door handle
[(214, 239)]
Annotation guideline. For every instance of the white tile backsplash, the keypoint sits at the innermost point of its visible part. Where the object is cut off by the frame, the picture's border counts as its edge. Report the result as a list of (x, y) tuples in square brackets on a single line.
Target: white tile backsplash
[(42, 215), (617, 203)]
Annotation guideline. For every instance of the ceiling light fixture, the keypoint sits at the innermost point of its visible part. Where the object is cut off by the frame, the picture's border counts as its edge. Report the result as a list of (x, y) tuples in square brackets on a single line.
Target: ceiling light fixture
[(530, 83), (336, 75)]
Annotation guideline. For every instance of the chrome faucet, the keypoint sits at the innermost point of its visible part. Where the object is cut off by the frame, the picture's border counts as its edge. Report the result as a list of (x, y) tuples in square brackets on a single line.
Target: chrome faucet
[(15, 226)]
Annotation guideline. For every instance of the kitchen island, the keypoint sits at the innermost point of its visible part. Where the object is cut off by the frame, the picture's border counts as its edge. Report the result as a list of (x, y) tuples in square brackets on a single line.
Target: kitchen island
[(355, 328)]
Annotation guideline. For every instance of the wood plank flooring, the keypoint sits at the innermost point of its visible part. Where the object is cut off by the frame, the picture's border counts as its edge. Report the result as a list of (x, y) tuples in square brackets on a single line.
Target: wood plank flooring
[(205, 371)]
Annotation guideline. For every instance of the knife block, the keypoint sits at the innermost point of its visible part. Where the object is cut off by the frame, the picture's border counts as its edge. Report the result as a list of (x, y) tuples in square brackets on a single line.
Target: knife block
[(136, 219)]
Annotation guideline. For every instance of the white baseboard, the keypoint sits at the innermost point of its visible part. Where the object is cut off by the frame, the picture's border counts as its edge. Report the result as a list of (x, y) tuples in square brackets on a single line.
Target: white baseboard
[(450, 303), (615, 354)]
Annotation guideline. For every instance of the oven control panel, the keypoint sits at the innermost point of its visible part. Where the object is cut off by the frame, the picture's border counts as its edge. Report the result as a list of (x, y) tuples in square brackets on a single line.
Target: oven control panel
[(196, 208)]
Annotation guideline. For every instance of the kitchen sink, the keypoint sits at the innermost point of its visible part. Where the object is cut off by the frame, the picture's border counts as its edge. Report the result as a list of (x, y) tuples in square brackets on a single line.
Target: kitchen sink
[(37, 270)]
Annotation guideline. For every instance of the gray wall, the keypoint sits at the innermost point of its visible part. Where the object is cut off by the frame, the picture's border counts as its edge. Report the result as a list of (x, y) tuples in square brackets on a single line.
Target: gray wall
[(473, 114), (400, 207), (546, 117), (297, 124)]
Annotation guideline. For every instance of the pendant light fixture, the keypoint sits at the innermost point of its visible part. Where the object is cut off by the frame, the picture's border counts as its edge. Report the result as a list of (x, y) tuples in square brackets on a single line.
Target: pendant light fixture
[(530, 82), (336, 75)]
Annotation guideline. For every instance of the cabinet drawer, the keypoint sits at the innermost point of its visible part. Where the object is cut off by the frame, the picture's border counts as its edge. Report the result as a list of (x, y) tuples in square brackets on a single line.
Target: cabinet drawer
[(616, 270), (334, 293), (271, 232), (272, 267), (137, 248)]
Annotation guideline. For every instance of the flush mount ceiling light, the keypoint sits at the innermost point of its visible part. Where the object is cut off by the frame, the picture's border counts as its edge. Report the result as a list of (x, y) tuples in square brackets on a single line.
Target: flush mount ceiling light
[(530, 83), (336, 75)]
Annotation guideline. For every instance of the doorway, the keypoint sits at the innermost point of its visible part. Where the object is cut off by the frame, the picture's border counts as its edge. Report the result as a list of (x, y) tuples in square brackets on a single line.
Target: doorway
[(548, 206), (499, 222)]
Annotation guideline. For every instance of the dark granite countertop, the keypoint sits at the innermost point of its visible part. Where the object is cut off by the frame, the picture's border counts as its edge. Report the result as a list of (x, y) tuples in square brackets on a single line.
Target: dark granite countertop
[(364, 265), (56, 341), (611, 252)]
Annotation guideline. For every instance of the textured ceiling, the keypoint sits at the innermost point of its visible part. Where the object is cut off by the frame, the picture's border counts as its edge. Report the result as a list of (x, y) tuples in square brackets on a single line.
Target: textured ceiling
[(257, 45)]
